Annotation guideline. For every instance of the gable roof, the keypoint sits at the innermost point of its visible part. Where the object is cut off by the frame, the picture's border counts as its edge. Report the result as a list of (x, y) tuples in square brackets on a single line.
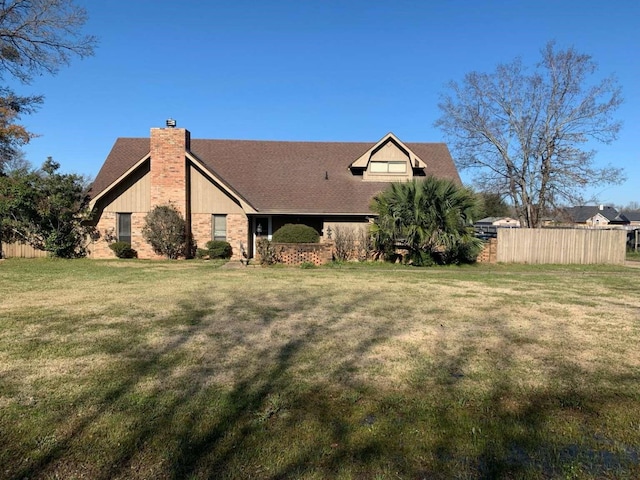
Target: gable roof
[(363, 160), (631, 216), (283, 177), (582, 213)]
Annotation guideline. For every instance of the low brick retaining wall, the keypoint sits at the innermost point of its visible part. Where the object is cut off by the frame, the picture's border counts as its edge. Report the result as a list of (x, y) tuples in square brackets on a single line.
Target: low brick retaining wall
[(299, 253), (489, 253)]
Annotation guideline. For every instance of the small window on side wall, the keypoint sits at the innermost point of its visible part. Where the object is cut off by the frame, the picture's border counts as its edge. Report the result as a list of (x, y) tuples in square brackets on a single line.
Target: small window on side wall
[(123, 230), (219, 227)]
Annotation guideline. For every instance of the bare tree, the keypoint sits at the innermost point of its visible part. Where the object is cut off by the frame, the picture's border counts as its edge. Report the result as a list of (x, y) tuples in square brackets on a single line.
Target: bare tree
[(16, 162), (36, 36), (526, 133), (40, 36), (632, 206)]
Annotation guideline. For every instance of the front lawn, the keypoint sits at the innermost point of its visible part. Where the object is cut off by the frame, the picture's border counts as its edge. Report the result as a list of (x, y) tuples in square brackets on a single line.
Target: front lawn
[(136, 369)]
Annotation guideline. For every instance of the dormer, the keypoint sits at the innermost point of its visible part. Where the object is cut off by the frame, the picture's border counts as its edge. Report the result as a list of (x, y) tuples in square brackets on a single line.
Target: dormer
[(389, 160)]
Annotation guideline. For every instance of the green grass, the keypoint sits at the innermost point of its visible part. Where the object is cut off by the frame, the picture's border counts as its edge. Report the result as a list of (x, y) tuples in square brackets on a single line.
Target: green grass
[(633, 256), (136, 369)]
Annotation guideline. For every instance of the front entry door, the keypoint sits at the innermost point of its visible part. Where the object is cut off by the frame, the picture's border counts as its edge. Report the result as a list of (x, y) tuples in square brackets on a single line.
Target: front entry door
[(261, 229)]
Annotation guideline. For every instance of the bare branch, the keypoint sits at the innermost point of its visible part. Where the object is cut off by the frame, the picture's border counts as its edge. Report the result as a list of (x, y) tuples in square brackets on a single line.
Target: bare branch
[(41, 36), (524, 132)]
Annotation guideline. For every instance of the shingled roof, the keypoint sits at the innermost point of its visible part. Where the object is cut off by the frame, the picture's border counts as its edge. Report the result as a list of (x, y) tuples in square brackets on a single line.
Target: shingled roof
[(283, 177), (631, 216), (582, 213)]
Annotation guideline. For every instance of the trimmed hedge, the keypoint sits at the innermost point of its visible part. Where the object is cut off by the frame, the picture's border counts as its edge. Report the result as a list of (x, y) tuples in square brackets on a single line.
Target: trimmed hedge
[(296, 233), (219, 249), (123, 250)]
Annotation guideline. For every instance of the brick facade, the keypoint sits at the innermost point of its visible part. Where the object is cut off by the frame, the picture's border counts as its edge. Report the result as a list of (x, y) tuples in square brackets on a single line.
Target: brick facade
[(237, 231), (168, 167), (107, 227), (299, 253), (201, 228), (168, 185), (489, 253)]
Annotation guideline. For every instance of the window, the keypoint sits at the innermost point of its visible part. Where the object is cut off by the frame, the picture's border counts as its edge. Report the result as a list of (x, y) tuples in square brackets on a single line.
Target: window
[(124, 227), (219, 227), (388, 167)]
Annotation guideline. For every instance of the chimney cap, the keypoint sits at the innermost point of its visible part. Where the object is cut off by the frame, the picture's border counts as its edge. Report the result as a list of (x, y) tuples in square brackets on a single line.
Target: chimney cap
[(171, 123)]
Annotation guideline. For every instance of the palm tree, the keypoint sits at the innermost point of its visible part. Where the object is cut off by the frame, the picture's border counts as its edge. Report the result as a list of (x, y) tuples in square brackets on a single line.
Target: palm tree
[(430, 218)]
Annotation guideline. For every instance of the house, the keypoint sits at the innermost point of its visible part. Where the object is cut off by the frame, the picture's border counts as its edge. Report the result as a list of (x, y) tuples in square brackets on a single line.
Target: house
[(237, 190), (632, 217), (488, 227), (633, 229), (594, 216)]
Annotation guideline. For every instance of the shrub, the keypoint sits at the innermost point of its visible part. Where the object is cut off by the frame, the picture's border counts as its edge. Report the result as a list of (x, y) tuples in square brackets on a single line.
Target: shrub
[(296, 233), (365, 243), (219, 249), (266, 252), (123, 250), (201, 253), (164, 229), (344, 242), (431, 219), (352, 243)]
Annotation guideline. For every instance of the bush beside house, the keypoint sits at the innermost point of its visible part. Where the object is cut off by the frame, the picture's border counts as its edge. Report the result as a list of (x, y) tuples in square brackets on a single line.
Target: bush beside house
[(296, 233), (165, 231), (123, 250), (215, 249)]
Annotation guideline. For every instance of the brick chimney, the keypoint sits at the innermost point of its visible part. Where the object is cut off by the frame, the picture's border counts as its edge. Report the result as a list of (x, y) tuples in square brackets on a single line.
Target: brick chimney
[(170, 180), (169, 176)]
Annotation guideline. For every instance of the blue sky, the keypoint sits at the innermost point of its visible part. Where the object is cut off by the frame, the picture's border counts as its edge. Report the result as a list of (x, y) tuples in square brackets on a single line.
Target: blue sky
[(325, 70)]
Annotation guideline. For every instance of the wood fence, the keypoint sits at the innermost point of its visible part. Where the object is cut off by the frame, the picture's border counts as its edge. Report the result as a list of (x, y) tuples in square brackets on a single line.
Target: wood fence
[(21, 250), (561, 246)]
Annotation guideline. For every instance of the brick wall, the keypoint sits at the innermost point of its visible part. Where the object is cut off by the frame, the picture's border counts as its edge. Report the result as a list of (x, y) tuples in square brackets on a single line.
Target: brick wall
[(168, 173), (489, 253), (201, 228), (100, 248), (108, 224), (237, 231), (298, 253)]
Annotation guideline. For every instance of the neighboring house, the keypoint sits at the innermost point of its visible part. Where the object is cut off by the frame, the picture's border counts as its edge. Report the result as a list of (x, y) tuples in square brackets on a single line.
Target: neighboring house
[(594, 216), (633, 218), (488, 227), (633, 227), (236, 190)]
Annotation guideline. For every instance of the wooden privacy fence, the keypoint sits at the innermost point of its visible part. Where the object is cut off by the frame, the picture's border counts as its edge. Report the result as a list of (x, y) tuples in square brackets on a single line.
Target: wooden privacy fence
[(21, 250), (562, 246)]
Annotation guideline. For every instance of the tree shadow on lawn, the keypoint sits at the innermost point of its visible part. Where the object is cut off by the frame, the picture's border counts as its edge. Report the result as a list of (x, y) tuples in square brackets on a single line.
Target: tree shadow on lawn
[(555, 429), (188, 425), (172, 419)]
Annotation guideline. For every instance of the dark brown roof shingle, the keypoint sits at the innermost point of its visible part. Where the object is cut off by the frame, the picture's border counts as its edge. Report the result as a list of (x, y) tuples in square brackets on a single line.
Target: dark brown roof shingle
[(276, 176)]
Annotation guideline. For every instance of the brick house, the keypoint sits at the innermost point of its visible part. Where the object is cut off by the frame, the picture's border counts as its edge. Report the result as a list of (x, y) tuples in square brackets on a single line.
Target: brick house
[(235, 190)]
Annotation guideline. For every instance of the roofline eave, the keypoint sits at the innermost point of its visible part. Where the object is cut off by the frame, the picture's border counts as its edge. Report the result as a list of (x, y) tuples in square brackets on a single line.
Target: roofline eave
[(316, 214), (244, 203), (113, 184)]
